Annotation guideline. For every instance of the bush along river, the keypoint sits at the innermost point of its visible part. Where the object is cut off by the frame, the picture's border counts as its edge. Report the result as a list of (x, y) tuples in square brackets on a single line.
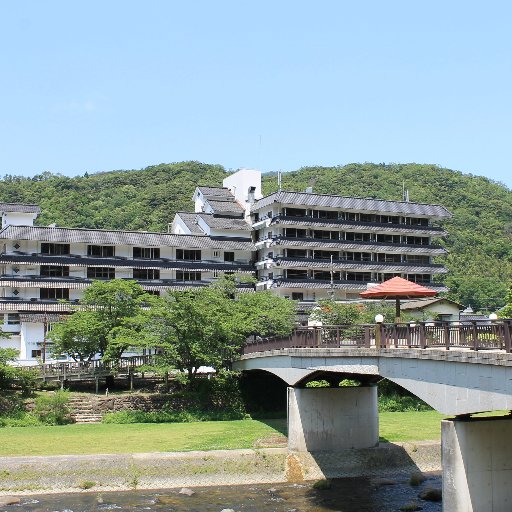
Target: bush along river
[(341, 495)]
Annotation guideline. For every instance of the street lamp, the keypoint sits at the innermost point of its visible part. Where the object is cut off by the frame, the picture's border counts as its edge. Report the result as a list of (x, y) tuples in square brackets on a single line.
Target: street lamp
[(379, 318), (493, 317)]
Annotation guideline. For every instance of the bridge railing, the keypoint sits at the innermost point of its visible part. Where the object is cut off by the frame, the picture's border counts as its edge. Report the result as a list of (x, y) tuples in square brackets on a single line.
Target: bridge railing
[(94, 367), (473, 335)]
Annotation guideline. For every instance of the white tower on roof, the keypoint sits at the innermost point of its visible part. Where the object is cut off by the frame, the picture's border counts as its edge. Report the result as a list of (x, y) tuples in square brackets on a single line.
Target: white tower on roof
[(245, 185)]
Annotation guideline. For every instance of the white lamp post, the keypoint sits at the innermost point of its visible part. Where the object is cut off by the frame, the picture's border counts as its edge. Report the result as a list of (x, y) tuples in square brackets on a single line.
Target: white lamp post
[(379, 319), (493, 317)]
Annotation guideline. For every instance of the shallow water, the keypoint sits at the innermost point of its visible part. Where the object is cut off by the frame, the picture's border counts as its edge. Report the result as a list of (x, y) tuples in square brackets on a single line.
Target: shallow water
[(345, 495)]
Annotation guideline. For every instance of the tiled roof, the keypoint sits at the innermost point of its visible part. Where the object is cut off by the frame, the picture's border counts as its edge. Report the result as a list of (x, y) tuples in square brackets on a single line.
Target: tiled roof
[(364, 265), (353, 226), (351, 203), (224, 223), (136, 238), (423, 303), (226, 206), (212, 192), (41, 318), (19, 208), (359, 246), (189, 220)]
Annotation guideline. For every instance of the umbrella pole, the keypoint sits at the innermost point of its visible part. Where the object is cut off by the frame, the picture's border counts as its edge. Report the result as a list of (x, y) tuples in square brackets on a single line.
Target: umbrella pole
[(397, 310)]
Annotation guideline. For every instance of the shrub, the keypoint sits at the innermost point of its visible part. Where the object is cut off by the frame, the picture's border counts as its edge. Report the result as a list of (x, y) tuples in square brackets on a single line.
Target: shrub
[(52, 408)]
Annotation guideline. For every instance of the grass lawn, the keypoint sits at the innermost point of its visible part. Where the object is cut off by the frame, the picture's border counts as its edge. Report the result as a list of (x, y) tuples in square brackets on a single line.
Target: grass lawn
[(138, 437), (410, 426), (175, 437)]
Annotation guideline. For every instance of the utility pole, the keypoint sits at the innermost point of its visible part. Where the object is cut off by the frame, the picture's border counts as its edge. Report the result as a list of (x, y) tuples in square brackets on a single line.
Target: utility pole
[(332, 281)]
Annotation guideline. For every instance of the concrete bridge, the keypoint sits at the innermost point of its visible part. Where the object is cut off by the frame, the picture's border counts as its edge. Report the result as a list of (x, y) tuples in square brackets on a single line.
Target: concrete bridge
[(458, 369)]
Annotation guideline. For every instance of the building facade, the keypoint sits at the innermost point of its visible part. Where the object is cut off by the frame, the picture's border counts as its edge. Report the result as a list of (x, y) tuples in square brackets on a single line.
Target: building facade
[(303, 246)]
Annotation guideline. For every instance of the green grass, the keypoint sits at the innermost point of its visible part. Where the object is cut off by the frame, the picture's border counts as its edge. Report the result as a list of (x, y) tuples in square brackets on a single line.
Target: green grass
[(175, 437), (138, 437), (410, 426)]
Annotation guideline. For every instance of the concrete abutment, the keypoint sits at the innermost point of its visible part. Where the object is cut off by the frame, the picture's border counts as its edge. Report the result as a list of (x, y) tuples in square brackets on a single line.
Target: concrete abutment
[(332, 419), (477, 464)]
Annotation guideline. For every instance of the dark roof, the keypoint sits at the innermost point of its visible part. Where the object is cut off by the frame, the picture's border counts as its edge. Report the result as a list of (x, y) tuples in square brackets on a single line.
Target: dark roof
[(215, 192), (226, 206), (214, 222), (363, 265), (190, 220), (41, 318), (137, 238), (357, 246), (19, 207), (225, 223), (352, 203)]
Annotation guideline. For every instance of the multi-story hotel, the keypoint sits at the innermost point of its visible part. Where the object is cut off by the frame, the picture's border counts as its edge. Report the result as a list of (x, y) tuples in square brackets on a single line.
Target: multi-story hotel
[(303, 246)]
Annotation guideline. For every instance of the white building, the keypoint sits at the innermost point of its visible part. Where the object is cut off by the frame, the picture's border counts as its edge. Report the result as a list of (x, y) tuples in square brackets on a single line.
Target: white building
[(303, 246)]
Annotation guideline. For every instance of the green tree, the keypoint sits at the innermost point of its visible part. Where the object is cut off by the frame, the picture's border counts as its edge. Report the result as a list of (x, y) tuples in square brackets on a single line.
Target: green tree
[(207, 326), (113, 314), (12, 376)]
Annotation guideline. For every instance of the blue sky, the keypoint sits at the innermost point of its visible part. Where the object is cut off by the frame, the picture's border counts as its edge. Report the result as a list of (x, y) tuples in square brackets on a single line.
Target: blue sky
[(95, 86)]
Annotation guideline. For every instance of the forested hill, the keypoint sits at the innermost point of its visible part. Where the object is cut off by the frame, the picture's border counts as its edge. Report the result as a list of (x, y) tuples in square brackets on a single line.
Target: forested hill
[(480, 241)]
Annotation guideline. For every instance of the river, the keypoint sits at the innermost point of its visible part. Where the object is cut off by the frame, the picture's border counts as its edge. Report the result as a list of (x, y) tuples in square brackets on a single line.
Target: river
[(344, 495)]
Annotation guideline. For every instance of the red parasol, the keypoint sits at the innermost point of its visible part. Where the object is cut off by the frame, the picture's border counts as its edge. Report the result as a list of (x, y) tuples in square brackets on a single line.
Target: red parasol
[(397, 288)]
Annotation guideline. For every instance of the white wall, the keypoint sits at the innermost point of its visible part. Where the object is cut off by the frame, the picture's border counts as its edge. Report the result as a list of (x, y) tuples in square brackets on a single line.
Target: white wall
[(239, 183), (18, 219)]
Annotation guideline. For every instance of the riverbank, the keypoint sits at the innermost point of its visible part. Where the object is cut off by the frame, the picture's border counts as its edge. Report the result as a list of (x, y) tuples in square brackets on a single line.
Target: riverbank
[(117, 472)]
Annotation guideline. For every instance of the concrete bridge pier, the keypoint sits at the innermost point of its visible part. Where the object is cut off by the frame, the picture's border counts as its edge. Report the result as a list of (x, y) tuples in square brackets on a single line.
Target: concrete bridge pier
[(477, 464), (332, 419)]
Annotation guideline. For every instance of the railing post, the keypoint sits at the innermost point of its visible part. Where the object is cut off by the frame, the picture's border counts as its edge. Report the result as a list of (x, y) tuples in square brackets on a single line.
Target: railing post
[(423, 337), (446, 330), (507, 324), (367, 343), (475, 335)]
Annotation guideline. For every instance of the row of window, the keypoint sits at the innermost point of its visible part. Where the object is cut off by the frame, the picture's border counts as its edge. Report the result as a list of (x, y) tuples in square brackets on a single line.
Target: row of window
[(350, 216), (149, 253), (355, 256), (350, 276), (351, 236), (63, 293)]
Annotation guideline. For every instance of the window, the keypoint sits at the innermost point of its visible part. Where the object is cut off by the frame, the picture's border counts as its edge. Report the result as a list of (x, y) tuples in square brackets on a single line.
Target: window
[(216, 273), (101, 273), (359, 276), (367, 217), (295, 233), (146, 273), (54, 271), (188, 254), (326, 235), (323, 275), (269, 214), (229, 256), (389, 258), (216, 253), (421, 260), (388, 239), (296, 253), (417, 240), (13, 319), (54, 293), (325, 214), (357, 256), (296, 274), (54, 249), (185, 275), (326, 255), (101, 251), (297, 296), (146, 253), (358, 237), (294, 212), (36, 353)]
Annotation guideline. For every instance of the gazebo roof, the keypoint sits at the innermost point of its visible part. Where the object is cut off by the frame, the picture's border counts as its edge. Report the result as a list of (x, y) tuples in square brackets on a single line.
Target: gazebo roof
[(397, 288)]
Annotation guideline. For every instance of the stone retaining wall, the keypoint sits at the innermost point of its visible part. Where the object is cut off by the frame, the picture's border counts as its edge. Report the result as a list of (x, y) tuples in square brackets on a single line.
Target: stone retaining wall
[(76, 473)]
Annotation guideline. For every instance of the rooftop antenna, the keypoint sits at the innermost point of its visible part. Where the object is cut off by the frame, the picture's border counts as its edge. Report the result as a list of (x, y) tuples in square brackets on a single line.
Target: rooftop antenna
[(405, 193), (279, 178)]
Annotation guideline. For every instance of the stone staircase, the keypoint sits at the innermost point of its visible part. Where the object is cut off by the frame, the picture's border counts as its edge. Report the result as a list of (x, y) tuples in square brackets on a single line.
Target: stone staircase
[(84, 409)]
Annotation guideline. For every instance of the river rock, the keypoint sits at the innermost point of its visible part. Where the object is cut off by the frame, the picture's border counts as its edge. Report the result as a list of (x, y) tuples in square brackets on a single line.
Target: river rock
[(431, 494), (227, 510), (187, 492), (9, 500)]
